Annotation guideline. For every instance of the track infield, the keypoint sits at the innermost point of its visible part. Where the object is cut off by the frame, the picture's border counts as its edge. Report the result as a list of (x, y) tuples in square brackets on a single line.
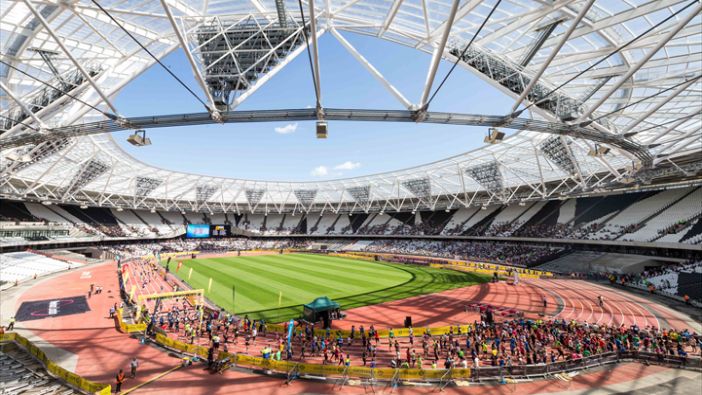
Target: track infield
[(274, 287)]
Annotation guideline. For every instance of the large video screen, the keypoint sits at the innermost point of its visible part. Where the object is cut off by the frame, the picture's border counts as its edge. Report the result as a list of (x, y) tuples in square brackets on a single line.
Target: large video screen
[(197, 231), (220, 230)]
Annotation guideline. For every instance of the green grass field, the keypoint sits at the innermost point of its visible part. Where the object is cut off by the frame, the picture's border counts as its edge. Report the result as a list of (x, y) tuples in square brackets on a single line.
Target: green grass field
[(259, 281)]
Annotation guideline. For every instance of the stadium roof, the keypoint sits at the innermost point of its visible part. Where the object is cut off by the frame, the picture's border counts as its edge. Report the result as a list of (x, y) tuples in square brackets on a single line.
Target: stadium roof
[(613, 91)]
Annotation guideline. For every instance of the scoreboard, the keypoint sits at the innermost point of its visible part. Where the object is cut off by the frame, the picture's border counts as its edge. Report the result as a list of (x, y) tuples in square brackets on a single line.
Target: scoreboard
[(203, 231), (220, 230)]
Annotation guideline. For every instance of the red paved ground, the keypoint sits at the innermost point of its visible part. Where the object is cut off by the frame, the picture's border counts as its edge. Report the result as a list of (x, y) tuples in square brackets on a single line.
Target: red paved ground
[(102, 350)]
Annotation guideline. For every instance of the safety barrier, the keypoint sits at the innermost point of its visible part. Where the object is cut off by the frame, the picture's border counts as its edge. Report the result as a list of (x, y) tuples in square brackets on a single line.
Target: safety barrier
[(125, 327), (352, 371), (546, 370), (310, 368), (482, 373), (57, 371), (178, 345), (383, 333)]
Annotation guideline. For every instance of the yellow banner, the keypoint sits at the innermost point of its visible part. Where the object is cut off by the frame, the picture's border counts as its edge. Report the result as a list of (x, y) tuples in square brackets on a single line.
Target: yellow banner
[(491, 267), (164, 295)]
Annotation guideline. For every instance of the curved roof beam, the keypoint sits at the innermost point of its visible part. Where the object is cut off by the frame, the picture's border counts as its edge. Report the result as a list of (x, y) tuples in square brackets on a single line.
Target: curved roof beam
[(109, 126)]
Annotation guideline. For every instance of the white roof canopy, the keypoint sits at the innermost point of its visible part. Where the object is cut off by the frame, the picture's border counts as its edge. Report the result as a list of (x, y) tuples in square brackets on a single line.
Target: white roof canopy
[(648, 92)]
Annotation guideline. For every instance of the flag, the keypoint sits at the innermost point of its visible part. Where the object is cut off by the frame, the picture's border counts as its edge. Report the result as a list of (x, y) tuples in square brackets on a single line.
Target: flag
[(209, 285), (280, 297), (180, 263), (190, 273)]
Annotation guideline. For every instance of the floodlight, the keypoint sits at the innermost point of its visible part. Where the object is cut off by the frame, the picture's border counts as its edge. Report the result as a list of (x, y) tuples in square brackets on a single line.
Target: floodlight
[(599, 151), (322, 129), (494, 136), (139, 138)]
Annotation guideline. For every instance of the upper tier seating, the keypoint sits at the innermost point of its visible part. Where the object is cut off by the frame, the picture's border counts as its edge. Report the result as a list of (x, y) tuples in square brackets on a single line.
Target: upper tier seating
[(632, 215), (688, 207)]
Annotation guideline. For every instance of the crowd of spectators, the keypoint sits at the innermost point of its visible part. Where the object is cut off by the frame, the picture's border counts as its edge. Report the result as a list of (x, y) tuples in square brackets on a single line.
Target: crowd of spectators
[(511, 254), (678, 226), (507, 344)]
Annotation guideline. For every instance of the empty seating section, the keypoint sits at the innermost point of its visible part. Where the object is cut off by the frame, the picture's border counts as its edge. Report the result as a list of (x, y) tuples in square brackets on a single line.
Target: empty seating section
[(218, 218), (99, 218), (290, 222), (21, 374), (174, 217), (683, 212), (635, 213), (274, 224), (16, 212), (43, 212), (505, 221), (195, 218), (156, 223), (253, 222), (455, 224), (322, 225), (340, 225), (19, 266), (527, 215), (131, 224), (567, 211)]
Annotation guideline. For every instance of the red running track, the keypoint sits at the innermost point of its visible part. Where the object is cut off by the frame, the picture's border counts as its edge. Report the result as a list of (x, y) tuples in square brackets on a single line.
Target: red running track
[(101, 350), (566, 299)]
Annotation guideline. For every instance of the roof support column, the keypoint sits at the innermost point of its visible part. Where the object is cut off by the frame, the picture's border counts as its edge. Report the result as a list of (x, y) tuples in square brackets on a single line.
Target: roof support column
[(553, 54), (438, 51), (188, 55), (315, 52)]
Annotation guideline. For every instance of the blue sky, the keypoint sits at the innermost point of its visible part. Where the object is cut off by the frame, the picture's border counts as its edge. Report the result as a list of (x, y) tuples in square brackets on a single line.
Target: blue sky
[(282, 151)]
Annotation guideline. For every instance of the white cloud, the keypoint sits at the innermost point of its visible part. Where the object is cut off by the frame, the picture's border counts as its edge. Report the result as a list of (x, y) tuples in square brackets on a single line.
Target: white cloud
[(320, 171), (348, 165), (287, 129)]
